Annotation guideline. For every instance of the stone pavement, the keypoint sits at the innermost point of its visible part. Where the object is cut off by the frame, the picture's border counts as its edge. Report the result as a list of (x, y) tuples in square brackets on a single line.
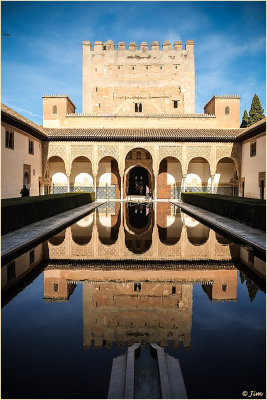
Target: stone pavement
[(15, 241), (251, 236)]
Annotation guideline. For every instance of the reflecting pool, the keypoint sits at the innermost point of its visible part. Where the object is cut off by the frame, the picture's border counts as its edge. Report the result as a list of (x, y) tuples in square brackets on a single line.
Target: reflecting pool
[(128, 273)]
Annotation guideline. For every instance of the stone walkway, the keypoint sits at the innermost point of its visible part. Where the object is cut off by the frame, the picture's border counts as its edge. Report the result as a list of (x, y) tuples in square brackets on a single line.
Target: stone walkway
[(254, 237), (15, 241)]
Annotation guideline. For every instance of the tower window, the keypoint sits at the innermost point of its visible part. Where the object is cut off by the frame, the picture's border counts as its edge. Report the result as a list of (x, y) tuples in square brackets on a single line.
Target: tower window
[(161, 66), (175, 104), (133, 67), (252, 149), (227, 110), (137, 287), (138, 107), (31, 147), (224, 287), (104, 47), (99, 105), (173, 290), (10, 140), (95, 69), (55, 287), (96, 89), (119, 67), (54, 110)]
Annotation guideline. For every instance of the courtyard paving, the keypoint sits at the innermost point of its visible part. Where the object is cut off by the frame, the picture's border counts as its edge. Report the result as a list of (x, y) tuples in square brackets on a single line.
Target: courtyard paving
[(247, 234), (15, 241)]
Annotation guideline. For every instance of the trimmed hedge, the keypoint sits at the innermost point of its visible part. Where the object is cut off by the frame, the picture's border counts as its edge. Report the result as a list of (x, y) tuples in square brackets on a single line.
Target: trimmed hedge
[(21, 211), (249, 211)]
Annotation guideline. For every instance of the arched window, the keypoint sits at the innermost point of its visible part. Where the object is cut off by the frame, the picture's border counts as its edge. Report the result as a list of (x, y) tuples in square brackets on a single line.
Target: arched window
[(129, 156), (138, 107), (227, 110), (138, 155), (148, 156), (54, 110)]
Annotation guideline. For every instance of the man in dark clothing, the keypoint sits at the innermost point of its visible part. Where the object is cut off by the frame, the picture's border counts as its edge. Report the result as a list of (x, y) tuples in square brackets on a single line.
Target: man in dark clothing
[(24, 191)]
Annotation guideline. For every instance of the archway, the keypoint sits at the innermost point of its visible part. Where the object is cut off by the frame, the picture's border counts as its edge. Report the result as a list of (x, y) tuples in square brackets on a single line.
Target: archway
[(198, 175), (57, 175), (108, 179), (138, 181), (169, 224), (225, 180), (81, 178), (81, 232), (169, 178), (138, 177)]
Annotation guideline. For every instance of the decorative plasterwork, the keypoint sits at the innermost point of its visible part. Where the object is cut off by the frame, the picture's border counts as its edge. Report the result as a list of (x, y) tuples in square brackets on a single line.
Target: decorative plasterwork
[(105, 151), (57, 150), (81, 150), (170, 151)]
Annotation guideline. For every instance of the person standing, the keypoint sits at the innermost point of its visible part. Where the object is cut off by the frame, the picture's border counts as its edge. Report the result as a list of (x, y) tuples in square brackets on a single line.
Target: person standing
[(24, 191)]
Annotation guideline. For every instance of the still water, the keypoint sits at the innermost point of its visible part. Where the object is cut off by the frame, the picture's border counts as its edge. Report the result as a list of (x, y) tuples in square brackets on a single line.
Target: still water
[(133, 273)]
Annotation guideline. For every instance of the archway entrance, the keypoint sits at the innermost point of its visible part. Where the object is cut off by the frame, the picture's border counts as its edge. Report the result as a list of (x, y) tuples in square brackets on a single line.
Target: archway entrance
[(138, 181)]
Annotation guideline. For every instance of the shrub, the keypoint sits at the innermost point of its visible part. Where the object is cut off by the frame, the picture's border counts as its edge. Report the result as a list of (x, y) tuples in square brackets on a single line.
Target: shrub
[(21, 211), (249, 211)]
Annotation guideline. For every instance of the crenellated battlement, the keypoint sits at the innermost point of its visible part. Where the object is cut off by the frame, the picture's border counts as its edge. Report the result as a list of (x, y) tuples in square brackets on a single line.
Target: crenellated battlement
[(144, 47)]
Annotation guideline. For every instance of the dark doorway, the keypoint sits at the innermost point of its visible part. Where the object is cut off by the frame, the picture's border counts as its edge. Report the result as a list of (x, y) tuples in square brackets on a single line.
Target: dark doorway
[(138, 181), (243, 189)]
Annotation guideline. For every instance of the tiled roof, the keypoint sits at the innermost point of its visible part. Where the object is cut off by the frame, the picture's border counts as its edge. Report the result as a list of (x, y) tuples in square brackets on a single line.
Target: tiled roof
[(170, 135), (253, 129), (18, 117)]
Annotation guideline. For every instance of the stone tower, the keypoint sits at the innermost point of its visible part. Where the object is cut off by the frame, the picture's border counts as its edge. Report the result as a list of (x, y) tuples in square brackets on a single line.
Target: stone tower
[(132, 81)]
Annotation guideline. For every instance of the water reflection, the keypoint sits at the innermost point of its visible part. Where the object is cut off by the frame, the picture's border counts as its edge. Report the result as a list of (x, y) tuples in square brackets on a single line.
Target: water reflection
[(147, 231), (111, 280), (163, 298)]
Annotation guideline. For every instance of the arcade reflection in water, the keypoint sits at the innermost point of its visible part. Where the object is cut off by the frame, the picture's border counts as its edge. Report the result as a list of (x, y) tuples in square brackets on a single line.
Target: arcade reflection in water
[(149, 231), (116, 281)]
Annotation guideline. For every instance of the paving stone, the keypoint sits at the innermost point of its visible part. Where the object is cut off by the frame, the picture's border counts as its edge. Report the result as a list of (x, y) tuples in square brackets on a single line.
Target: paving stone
[(18, 239), (249, 235)]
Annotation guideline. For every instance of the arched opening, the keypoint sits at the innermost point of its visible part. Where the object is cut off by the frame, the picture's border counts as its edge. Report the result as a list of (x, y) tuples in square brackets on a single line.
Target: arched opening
[(198, 235), (108, 179), (225, 180), (58, 239), (81, 232), (139, 221), (108, 226), (139, 180), (198, 176), (57, 175), (169, 224), (169, 178), (81, 177), (59, 183)]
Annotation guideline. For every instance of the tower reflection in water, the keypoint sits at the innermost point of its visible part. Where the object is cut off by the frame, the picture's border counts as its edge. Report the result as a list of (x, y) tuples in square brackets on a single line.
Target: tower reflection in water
[(138, 266)]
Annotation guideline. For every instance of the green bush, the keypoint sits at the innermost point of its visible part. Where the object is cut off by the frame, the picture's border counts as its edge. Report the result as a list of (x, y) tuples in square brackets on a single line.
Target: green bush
[(20, 211), (249, 211)]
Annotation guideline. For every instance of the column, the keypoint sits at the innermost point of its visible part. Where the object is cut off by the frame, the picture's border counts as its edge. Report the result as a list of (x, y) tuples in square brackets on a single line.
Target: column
[(121, 175), (183, 182), (156, 187), (212, 183), (68, 183), (94, 176)]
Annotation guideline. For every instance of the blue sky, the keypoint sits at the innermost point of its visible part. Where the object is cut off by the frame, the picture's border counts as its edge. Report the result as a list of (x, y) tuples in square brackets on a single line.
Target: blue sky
[(44, 52)]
